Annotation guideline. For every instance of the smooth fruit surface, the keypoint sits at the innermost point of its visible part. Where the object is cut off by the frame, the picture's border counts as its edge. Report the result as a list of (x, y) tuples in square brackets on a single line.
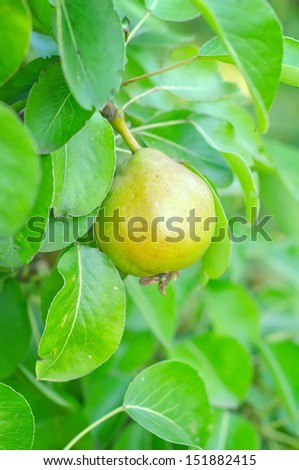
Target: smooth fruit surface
[(151, 201)]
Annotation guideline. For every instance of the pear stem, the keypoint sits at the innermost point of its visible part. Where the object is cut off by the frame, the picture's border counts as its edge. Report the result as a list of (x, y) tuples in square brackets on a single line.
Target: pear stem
[(117, 120)]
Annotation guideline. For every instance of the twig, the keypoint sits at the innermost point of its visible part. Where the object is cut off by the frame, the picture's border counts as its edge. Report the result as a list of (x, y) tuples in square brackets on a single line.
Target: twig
[(93, 426), (138, 25), (163, 70)]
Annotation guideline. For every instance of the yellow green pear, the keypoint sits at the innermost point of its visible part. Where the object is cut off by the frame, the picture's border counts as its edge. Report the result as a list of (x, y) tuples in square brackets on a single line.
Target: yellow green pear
[(158, 217)]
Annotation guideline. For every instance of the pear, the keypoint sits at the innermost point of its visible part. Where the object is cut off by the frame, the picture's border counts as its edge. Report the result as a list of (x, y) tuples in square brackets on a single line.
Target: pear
[(158, 217)]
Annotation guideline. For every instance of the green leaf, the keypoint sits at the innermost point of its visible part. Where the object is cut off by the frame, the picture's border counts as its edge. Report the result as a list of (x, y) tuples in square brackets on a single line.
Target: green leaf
[(252, 35), (217, 257), (15, 329), (46, 400), (92, 50), (104, 391), (245, 141), (240, 320), (280, 259), (231, 432), (52, 285), (282, 360), (89, 312), (216, 50), (52, 114), (290, 66), (42, 16), (134, 437), (169, 400), (61, 232), (84, 169), (221, 135), (196, 81), (19, 249), (62, 400), (157, 33), (17, 422), (18, 87), (279, 202), (56, 431), (135, 351), (172, 134), (56, 412), (279, 304), (19, 176), (286, 164), (158, 311), (218, 360), (172, 10), (14, 36)]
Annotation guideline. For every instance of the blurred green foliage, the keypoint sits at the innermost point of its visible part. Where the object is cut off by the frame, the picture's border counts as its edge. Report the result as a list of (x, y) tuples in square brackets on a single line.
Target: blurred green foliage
[(241, 332)]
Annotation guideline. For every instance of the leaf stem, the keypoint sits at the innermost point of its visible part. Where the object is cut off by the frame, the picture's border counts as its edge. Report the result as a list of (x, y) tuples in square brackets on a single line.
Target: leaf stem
[(280, 437), (138, 25), (48, 392), (163, 70), (34, 327), (157, 125), (142, 95), (92, 426)]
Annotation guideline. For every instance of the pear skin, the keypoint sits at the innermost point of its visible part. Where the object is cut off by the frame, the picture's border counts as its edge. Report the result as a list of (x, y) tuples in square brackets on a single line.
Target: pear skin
[(150, 201)]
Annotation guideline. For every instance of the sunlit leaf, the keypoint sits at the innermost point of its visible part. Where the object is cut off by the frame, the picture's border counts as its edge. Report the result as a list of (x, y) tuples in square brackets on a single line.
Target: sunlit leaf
[(173, 10), (42, 16), (240, 320), (221, 135), (246, 139), (20, 248), (89, 312), (173, 408), (134, 437), (290, 66), (285, 159), (60, 232), (91, 45), (232, 432), (172, 134), (281, 359), (84, 169), (14, 36), (252, 35), (17, 422), (197, 81), (216, 259), (218, 360), (215, 49), (19, 176), (52, 114), (158, 311), (104, 391), (17, 88), (14, 327)]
